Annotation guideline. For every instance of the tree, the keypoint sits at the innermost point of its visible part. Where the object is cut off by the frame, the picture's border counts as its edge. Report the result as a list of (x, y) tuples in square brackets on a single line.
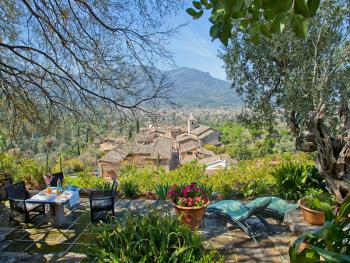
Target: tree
[(306, 82), (73, 55), (256, 18)]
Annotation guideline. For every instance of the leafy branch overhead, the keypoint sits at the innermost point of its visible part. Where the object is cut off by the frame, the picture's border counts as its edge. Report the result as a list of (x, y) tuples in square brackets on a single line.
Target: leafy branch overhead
[(255, 18)]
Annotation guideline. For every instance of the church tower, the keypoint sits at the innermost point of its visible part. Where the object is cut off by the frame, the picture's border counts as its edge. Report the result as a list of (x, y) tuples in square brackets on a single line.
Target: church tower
[(190, 124)]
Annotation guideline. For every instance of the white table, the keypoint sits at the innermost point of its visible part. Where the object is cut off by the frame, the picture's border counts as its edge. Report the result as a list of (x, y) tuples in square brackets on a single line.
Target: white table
[(56, 202)]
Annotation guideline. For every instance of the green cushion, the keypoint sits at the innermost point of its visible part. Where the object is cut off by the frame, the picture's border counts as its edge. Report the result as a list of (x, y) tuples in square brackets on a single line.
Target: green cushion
[(277, 204), (232, 208)]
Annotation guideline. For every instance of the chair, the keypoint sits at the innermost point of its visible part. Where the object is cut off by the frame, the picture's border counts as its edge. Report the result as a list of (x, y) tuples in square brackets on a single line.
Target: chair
[(55, 178), (237, 213), (6, 181), (276, 209), (102, 201), (17, 195)]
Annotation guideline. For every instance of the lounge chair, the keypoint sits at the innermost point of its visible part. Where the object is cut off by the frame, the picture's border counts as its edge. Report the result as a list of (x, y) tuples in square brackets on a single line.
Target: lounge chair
[(238, 213), (17, 195), (276, 209)]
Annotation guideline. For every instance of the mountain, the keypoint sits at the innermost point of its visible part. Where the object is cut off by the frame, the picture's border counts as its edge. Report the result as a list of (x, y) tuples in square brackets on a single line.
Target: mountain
[(193, 87)]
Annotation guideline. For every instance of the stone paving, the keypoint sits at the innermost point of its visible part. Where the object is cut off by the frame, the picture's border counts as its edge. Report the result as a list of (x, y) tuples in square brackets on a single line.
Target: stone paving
[(40, 242)]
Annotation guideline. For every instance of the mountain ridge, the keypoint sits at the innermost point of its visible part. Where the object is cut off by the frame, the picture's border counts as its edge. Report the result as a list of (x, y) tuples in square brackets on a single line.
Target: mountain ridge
[(193, 87)]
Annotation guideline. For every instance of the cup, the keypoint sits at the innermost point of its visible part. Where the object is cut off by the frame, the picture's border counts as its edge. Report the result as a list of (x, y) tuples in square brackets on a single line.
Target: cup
[(58, 191), (49, 190)]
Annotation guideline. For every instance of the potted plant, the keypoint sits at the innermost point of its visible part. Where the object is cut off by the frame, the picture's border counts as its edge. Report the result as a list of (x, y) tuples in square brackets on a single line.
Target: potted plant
[(329, 243), (315, 207), (190, 202)]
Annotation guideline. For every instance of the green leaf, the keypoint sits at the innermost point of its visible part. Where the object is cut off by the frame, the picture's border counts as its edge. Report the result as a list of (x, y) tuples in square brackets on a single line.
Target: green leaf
[(299, 25), (254, 29), (269, 14), (197, 5), (313, 6), (244, 24), (196, 15), (331, 257), (325, 208), (255, 40), (237, 5), (204, 2), (278, 24), (344, 210), (265, 30), (282, 6), (191, 11), (301, 8), (214, 31)]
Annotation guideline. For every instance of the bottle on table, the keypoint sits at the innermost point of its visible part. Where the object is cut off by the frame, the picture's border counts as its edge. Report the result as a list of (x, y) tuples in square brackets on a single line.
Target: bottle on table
[(59, 186)]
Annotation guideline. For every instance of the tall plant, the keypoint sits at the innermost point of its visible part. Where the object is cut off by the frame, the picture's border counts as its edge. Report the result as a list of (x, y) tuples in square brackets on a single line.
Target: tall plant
[(331, 242)]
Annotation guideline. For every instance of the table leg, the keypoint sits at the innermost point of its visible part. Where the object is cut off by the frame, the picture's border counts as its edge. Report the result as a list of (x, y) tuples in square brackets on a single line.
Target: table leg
[(57, 214)]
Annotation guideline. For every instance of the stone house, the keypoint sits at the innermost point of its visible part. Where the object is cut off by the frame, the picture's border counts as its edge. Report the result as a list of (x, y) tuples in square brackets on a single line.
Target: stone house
[(159, 153)]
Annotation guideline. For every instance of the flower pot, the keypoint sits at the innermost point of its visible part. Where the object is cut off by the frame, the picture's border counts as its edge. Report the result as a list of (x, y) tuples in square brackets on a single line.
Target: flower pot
[(312, 216), (191, 216)]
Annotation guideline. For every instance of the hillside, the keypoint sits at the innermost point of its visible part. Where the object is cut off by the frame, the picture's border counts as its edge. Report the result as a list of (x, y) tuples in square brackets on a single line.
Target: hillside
[(197, 88)]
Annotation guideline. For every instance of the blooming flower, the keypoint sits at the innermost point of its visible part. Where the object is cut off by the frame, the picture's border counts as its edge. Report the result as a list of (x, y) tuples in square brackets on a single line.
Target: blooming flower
[(188, 195)]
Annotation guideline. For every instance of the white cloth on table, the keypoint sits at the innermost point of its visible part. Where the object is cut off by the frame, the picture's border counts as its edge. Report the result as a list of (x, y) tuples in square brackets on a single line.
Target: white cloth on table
[(70, 196)]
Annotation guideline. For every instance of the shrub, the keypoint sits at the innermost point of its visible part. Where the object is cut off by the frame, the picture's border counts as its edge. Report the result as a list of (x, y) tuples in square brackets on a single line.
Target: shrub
[(70, 166), (153, 237), (85, 180), (130, 189), (294, 179), (162, 191), (23, 169)]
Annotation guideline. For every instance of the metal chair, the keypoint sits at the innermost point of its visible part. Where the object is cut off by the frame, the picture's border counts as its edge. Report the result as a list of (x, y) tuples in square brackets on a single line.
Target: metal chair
[(102, 201), (55, 178), (17, 195)]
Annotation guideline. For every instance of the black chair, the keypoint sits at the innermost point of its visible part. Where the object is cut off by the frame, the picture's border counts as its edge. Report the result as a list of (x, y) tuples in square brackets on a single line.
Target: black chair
[(55, 178), (101, 202), (7, 180), (17, 195)]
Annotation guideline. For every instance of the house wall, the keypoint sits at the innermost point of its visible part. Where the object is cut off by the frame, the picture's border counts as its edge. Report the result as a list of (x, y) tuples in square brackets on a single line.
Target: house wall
[(211, 139), (109, 170)]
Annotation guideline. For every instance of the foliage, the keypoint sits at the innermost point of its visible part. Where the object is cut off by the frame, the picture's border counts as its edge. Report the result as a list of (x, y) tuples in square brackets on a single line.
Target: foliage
[(86, 180), (283, 79), (153, 237), (318, 200), (22, 169), (331, 241), (188, 195), (162, 191), (130, 189), (248, 178), (255, 18), (244, 141), (70, 166), (294, 179)]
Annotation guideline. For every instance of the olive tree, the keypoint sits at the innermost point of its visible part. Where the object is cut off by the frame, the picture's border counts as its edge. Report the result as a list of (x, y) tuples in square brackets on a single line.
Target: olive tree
[(305, 81)]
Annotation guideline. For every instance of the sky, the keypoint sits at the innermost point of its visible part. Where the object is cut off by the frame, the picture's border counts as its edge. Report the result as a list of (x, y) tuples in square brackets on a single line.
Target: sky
[(192, 46)]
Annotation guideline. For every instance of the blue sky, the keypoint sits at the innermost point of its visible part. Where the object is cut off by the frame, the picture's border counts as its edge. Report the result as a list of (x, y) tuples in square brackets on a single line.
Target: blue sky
[(192, 46)]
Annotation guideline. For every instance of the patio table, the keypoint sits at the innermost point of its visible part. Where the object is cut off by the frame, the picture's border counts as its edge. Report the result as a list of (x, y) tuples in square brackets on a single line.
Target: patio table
[(56, 202)]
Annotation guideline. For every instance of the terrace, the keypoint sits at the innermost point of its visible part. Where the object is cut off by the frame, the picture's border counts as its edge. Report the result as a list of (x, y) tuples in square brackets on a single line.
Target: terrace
[(39, 241)]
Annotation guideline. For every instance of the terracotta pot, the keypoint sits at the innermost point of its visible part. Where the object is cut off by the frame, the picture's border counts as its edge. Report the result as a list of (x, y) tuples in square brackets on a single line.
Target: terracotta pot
[(191, 216), (312, 216)]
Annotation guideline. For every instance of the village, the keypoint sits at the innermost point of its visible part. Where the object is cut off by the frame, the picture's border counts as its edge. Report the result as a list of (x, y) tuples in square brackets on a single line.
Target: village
[(165, 146)]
